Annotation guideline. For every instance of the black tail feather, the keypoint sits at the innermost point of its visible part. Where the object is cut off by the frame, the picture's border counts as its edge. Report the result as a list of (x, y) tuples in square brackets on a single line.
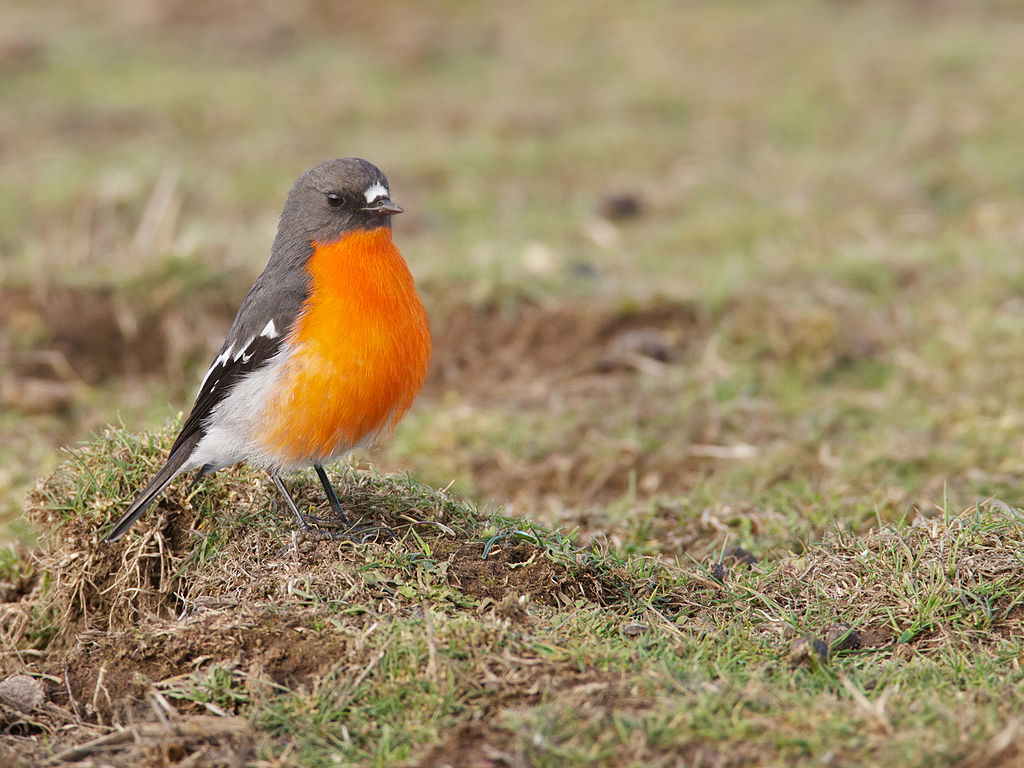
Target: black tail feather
[(153, 488)]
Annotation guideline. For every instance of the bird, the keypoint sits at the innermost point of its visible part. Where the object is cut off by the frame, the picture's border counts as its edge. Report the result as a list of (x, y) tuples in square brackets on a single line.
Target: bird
[(327, 352)]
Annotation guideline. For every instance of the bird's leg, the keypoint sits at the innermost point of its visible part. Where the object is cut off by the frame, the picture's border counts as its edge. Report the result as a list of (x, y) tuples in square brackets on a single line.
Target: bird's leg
[(206, 469), (332, 497), (356, 533), (340, 519), (306, 530), (305, 523)]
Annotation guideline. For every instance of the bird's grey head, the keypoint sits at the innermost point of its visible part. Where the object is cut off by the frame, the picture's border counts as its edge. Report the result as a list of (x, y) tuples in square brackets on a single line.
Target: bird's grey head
[(334, 198)]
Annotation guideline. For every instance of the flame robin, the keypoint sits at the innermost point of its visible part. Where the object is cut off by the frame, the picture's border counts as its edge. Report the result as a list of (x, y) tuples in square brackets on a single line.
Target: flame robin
[(327, 351)]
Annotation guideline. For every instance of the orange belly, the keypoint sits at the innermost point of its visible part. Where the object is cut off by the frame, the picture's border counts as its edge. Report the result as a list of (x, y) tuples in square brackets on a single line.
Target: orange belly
[(358, 352)]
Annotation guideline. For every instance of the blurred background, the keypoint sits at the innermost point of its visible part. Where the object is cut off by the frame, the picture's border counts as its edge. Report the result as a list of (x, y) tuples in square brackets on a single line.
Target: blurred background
[(696, 271)]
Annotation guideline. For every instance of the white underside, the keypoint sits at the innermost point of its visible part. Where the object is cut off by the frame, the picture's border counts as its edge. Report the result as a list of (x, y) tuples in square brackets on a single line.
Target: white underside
[(233, 429)]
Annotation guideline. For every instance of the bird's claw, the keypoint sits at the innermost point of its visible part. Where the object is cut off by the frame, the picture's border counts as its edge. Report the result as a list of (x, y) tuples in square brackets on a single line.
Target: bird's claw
[(358, 534)]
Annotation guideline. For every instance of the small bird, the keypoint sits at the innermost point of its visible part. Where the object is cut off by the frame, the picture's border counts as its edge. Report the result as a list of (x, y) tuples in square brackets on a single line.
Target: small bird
[(327, 351)]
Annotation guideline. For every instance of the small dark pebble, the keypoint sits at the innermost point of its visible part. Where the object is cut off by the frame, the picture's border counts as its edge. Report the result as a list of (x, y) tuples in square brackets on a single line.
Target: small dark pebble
[(739, 556), (809, 650), (583, 270), (616, 206), (719, 572), (841, 636), (648, 342)]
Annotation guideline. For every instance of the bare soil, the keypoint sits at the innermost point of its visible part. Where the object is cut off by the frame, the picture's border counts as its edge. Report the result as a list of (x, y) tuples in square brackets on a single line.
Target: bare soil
[(109, 675), (524, 350), (100, 333)]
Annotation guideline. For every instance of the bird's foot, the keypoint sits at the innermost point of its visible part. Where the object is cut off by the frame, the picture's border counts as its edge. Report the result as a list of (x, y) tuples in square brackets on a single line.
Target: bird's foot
[(312, 529), (336, 522)]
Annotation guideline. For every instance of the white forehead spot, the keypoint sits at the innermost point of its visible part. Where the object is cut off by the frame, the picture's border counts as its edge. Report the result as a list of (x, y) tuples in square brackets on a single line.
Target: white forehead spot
[(375, 192)]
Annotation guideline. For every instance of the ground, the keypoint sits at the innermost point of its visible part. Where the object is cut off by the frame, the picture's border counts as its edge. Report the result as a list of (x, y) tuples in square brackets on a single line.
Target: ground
[(719, 459)]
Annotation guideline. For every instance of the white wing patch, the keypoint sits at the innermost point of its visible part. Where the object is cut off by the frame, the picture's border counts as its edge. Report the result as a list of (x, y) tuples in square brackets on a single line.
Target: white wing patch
[(243, 353), (375, 192), (240, 354), (222, 358)]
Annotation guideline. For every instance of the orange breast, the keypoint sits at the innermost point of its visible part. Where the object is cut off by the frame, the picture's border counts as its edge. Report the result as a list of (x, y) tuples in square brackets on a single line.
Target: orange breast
[(359, 352)]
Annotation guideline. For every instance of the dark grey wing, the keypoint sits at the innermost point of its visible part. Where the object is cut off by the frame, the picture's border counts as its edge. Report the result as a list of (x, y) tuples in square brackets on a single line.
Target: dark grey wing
[(231, 364), (261, 325)]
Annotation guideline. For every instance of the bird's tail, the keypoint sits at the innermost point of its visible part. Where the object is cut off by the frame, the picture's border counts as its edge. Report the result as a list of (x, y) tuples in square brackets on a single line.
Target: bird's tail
[(167, 473)]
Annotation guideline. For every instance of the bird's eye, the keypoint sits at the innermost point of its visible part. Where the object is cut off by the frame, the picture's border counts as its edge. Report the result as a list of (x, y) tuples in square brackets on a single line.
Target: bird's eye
[(333, 199)]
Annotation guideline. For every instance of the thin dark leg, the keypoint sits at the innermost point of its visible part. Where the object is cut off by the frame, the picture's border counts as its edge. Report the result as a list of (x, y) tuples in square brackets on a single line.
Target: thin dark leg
[(332, 497), (206, 469), (307, 531), (303, 525)]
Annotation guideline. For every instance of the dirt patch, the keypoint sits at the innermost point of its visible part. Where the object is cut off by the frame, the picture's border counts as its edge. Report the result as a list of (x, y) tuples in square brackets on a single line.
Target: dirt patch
[(474, 745), (109, 674), (87, 335), (58, 339), (512, 571), (98, 334), (521, 350), (93, 331)]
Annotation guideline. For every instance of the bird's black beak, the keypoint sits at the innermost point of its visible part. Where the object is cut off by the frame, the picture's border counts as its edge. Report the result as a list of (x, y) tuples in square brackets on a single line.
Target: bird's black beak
[(384, 206)]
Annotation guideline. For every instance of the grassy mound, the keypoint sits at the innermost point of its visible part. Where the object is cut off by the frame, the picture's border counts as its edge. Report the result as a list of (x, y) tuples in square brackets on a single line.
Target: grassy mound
[(465, 637)]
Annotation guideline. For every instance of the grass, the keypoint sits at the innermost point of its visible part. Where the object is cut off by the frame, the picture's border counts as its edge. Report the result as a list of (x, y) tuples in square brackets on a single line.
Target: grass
[(472, 628), (805, 343)]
